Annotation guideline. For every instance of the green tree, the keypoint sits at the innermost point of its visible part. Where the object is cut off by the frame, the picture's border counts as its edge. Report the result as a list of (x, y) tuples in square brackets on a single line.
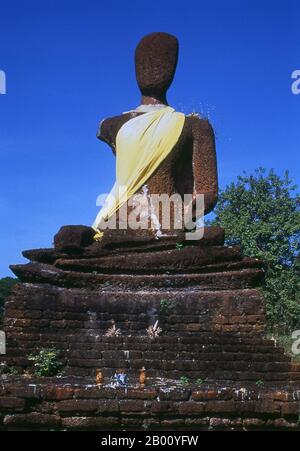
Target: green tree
[(261, 213), (6, 285)]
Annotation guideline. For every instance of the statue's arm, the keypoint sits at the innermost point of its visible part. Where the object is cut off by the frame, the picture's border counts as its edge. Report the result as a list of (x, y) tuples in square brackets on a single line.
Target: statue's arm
[(205, 162)]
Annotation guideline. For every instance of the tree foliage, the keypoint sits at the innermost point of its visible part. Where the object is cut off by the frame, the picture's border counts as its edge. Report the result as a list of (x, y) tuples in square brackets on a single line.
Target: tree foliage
[(261, 213)]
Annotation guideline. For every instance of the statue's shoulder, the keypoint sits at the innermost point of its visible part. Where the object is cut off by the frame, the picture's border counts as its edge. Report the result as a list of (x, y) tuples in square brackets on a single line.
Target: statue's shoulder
[(109, 127), (199, 124)]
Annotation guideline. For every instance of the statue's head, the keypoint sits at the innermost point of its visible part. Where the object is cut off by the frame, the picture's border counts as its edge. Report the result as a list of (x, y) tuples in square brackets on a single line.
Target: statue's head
[(155, 63)]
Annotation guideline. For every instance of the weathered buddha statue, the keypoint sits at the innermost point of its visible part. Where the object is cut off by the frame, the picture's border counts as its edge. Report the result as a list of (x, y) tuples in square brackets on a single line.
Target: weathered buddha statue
[(158, 152)]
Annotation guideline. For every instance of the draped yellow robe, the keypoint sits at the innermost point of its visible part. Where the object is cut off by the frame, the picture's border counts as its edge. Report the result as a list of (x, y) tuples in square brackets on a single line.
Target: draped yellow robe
[(142, 144)]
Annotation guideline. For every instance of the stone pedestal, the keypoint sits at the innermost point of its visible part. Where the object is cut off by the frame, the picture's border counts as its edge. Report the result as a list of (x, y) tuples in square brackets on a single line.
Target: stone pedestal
[(205, 297)]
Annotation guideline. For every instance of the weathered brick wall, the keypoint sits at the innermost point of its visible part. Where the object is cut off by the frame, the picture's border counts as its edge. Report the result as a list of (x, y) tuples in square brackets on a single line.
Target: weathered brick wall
[(213, 335), (213, 329), (202, 332), (50, 404)]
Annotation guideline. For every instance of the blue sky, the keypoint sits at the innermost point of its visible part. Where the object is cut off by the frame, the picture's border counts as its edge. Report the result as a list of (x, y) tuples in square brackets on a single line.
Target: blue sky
[(70, 63)]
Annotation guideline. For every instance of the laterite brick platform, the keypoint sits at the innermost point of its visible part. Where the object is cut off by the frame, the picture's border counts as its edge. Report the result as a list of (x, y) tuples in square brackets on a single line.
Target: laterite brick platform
[(212, 335), (207, 300)]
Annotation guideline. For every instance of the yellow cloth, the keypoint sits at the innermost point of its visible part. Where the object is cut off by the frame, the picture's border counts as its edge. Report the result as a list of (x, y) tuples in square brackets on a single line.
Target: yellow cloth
[(142, 144)]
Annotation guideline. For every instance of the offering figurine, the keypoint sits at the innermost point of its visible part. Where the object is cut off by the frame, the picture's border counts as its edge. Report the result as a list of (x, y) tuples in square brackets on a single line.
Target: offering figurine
[(143, 376), (99, 377)]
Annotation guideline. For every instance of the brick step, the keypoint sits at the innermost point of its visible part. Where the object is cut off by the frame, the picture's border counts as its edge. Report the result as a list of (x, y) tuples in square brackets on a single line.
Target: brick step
[(170, 262), (188, 258), (85, 357), (114, 243), (170, 365), (153, 350), (78, 404), (203, 339), (224, 332), (145, 345), (125, 322), (27, 303), (184, 365), (213, 376), (158, 355), (185, 332), (47, 274)]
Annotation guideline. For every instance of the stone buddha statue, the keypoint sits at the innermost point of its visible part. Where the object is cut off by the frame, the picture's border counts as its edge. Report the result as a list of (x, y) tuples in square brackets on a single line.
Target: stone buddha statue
[(179, 150), (189, 166)]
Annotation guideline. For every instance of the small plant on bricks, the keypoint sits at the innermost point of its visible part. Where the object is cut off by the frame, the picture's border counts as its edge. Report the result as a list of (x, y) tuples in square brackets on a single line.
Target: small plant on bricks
[(165, 306), (46, 363), (184, 380), (9, 370)]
